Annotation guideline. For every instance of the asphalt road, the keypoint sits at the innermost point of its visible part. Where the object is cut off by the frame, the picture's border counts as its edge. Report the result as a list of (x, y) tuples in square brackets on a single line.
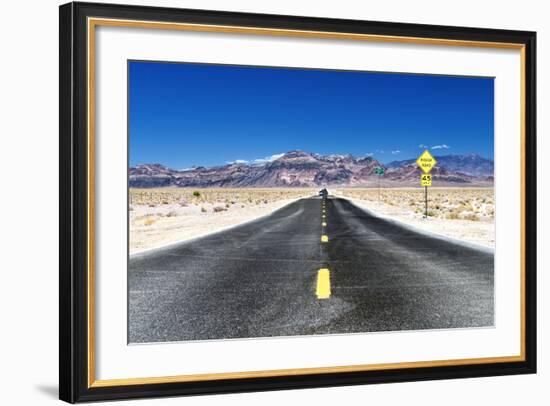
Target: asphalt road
[(275, 277)]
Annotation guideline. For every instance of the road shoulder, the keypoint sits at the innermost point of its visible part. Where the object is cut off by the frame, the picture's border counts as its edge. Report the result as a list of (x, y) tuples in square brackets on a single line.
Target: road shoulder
[(462, 232), (186, 230)]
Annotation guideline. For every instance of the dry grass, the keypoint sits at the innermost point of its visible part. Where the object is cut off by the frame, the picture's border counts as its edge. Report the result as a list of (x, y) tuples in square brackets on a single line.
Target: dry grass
[(213, 197), (473, 204)]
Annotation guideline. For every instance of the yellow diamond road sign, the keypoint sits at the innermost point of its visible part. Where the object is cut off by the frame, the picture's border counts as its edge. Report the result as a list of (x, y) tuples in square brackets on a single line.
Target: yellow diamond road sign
[(426, 161)]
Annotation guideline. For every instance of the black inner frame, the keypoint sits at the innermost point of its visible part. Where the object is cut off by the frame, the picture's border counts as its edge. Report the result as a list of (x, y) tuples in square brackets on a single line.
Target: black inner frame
[(73, 177)]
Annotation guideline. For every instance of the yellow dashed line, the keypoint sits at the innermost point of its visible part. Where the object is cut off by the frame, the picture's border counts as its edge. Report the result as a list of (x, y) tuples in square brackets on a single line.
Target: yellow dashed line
[(324, 224), (324, 238), (323, 284), (324, 216)]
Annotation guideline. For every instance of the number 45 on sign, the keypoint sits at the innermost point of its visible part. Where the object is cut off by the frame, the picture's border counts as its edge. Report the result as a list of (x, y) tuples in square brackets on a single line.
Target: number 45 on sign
[(426, 180)]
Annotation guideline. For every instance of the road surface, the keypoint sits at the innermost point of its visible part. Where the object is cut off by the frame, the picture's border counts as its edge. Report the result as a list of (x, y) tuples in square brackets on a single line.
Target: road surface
[(296, 272)]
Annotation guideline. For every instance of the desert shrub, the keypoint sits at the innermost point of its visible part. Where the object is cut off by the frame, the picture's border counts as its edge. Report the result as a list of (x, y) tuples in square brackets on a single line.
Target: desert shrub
[(152, 205), (218, 209), (149, 220), (196, 193), (471, 217), (171, 214), (203, 209)]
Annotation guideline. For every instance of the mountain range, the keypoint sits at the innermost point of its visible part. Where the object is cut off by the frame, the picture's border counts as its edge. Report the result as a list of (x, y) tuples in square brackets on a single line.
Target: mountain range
[(304, 169)]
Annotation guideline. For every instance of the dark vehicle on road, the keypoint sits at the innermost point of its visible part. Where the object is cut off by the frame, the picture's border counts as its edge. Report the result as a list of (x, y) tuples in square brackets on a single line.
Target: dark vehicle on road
[(323, 192)]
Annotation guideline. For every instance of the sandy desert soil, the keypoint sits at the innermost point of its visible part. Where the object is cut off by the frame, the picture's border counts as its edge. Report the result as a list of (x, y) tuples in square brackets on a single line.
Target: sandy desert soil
[(463, 213), (165, 215)]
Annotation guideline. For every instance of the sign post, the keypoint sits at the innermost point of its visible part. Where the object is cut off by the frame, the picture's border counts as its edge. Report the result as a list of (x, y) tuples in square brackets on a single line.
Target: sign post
[(426, 162), (379, 171)]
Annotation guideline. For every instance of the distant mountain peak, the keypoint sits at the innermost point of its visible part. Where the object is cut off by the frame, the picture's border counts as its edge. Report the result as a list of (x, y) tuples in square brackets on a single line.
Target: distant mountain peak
[(296, 153)]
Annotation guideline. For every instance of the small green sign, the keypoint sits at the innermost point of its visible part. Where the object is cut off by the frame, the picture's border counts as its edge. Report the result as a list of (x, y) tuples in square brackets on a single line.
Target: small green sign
[(379, 170)]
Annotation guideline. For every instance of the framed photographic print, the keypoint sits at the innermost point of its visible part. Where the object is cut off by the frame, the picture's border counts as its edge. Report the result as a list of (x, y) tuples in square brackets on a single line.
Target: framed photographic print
[(256, 202)]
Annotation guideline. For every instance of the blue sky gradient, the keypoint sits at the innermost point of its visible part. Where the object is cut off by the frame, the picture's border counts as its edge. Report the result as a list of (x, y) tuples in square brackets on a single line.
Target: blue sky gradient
[(183, 115)]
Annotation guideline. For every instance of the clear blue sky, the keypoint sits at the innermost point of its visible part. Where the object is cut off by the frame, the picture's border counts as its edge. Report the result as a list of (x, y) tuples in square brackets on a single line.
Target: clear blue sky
[(184, 115)]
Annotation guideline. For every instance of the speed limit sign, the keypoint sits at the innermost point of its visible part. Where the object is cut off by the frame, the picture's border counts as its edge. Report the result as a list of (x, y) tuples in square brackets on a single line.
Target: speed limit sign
[(425, 180)]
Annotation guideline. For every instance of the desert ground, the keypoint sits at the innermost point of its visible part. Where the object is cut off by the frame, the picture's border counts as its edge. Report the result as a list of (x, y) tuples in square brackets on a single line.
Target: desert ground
[(164, 215), (463, 213)]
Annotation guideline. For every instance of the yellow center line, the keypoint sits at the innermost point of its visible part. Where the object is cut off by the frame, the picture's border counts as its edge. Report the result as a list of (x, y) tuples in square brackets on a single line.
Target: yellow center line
[(324, 224), (324, 238), (324, 216), (323, 284)]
